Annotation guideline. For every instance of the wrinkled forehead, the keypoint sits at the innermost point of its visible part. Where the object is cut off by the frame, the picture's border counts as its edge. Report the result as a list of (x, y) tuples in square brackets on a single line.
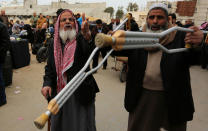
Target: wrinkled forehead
[(157, 12), (66, 15)]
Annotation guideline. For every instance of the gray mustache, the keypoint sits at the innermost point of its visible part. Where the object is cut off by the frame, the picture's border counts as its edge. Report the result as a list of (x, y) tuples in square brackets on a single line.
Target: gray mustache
[(68, 25), (155, 26)]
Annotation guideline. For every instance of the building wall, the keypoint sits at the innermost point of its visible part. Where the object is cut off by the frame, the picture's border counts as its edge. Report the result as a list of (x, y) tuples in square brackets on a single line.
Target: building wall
[(201, 13), (29, 3), (140, 17), (90, 9)]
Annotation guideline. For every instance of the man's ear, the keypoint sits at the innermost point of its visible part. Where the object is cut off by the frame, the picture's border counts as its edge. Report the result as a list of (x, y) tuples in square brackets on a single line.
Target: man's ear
[(147, 18), (170, 19)]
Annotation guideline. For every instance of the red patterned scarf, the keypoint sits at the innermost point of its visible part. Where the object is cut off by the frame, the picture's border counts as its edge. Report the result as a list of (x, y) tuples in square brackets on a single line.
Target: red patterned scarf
[(63, 60)]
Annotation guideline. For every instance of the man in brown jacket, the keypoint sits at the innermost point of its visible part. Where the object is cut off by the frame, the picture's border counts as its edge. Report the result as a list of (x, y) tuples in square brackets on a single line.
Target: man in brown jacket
[(40, 21)]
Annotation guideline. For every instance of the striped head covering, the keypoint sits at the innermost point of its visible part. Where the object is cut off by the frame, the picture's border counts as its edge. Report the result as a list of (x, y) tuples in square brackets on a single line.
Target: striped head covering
[(63, 59)]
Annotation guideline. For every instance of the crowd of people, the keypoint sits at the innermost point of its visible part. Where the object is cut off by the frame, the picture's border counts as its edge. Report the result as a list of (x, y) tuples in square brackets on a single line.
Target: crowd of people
[(158, 86)]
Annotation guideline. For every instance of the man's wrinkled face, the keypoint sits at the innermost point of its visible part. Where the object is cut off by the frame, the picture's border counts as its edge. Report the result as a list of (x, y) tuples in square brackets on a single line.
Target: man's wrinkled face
[(157, 20), (67, 21)]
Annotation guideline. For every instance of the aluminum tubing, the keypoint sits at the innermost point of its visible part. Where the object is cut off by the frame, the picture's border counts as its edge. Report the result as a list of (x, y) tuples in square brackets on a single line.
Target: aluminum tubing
[(171, 51), (127, 47), (162, 34), (100, 64), (138, 41), (141, 34), (120, 25), (81, 79), (155, 35), (71, 90), (158, 35), (77, 75)]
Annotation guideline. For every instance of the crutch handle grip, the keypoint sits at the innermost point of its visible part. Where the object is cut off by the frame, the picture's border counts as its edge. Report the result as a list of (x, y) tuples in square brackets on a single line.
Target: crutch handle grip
[(103, 40), (41, 121), (53, 107)]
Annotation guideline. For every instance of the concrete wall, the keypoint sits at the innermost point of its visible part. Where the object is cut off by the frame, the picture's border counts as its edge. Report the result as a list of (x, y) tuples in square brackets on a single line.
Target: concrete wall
[(140, 17), (201, 13), (91, 9)]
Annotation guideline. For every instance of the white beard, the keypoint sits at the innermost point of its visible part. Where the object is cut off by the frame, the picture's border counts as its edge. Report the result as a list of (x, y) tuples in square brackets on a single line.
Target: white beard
[(148, 29), (67, 35), (151, 31)]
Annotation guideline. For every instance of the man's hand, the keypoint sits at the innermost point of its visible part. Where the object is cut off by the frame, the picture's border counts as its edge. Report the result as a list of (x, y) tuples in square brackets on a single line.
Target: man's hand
[(195, 37), (85, 30), (46, 91), (110, 32)]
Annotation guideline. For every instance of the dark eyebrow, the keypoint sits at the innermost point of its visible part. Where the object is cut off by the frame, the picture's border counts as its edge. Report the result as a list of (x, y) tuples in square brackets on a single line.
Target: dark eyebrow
[(158, 16)]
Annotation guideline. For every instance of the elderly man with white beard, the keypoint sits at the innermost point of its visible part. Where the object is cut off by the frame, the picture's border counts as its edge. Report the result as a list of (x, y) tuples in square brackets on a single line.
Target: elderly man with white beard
[(67, 55), (158, 87)]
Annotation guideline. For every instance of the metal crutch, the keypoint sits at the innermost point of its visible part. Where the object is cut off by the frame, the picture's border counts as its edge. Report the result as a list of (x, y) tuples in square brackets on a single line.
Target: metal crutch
[(124, 40)]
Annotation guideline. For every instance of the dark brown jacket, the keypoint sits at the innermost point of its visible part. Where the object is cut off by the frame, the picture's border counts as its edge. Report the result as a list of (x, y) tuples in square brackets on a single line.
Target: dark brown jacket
[(175, 76)]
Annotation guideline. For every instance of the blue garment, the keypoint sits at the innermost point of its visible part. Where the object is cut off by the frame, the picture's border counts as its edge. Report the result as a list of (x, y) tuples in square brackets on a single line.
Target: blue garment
[(2, 88), (51, 30), (80, 21)]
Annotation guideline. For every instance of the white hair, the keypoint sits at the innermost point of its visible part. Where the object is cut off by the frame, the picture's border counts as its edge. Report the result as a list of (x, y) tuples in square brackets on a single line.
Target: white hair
[(148, 29), (163, 28), (159, 5), (67, 35)]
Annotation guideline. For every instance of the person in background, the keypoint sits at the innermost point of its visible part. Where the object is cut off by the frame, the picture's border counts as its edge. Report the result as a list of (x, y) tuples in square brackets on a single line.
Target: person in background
[(4, 46), (22, 24), (54, 20), (34, 20), (40, 21), (133, 24), (100, 28), (81, 19), (77, 16), (172, 19), (16, 28), (188, 23), (178, 23), (41, 33), (58, 12), (10, 28), (4, 18), (11, 21), (112, 25), (48, 20)]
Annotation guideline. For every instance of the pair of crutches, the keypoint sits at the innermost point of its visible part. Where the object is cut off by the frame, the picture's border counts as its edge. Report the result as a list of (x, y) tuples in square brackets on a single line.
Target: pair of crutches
[(125, 40)]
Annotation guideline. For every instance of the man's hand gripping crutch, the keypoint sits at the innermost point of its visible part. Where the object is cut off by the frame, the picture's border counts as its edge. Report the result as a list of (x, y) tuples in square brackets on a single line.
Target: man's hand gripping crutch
[(57, 102)]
